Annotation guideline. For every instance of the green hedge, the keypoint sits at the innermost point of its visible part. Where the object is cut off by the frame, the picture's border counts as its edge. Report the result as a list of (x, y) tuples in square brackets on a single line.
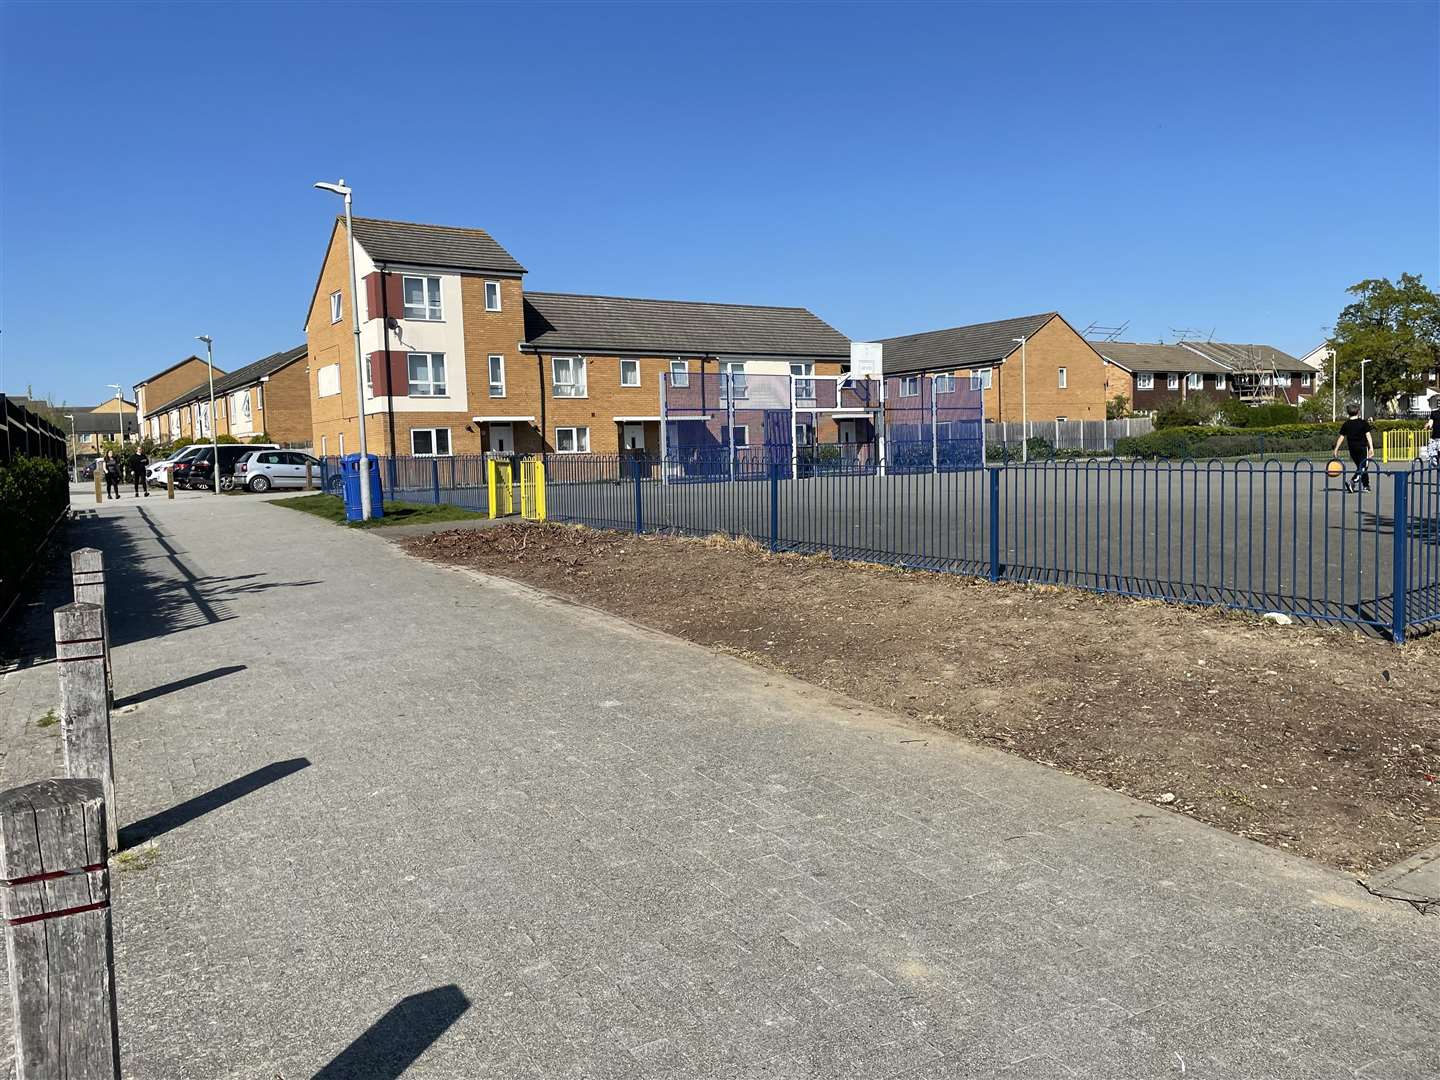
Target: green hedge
[(33, 493), (1209, 442)]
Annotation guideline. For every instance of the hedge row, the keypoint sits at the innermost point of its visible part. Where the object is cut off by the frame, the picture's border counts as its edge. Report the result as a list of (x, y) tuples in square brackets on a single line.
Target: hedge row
[(1208, 442), (33, 493)]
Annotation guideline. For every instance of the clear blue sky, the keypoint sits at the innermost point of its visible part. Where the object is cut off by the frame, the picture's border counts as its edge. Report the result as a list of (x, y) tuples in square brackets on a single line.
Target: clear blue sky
[(894, 168)]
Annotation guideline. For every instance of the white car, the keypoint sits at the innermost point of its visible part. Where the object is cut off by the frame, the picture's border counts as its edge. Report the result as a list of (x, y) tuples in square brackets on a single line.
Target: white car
[(261, 470), (159, 471)]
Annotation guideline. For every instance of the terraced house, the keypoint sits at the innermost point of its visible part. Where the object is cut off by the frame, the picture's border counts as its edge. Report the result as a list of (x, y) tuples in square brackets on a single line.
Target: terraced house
[(1152, 376), (269, 397), (459, 358)]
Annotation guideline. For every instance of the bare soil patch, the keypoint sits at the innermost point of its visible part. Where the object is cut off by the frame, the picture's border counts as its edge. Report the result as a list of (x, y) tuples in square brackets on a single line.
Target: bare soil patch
[(1319, 741)]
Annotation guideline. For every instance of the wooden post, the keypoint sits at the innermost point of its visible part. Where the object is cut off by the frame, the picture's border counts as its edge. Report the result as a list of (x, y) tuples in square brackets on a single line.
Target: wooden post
[(99, 494), (87, 575), (56, 906), (309, 476), (170, 482), (84, 704)]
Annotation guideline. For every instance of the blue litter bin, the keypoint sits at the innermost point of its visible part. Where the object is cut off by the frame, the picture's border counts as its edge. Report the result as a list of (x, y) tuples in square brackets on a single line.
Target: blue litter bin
[(350, 476)]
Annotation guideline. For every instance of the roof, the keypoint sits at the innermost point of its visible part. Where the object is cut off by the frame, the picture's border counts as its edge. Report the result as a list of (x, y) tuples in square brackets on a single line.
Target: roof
[(1243, 355), (235, 380), (166, 371), (93, 423), (976, 345), (1194, 356), (443, 246), (558, 322)]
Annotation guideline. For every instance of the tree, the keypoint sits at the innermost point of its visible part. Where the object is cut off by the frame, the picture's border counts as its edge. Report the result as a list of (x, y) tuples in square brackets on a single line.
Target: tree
[(1117, 408), (1394, 325)]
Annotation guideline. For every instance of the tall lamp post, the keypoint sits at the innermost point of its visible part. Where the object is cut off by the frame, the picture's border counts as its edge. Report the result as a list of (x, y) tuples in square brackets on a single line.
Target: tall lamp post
[(345, 193), (1334, 389), (1024, 404), (74, 450), (1362, 389), (119, 409), (214, 438)]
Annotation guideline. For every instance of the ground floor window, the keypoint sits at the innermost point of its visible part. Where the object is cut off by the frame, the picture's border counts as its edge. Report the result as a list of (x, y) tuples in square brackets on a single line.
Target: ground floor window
[(804, 434), (572, 440), (430, 442), (738, 436)]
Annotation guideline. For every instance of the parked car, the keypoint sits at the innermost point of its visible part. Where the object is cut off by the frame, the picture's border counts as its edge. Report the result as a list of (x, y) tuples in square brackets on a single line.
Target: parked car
[(87, 471), (261, 470), (159, 470), (199, 471)]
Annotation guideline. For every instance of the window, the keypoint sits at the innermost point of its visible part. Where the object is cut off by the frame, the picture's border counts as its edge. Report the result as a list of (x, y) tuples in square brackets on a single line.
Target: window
[(910, 386), (1306, 378), (492, 296), (369, 379), (741, 436), (427, 375), (982, 380), (422, 298), (944, 384), (572, 440), (942, 431), (335, 306), (804, 434), (1061, 420), (1145, 380), (240, 405), (1172, 381), (1062, 376), (1266, 380), (735, 382), (1219, 382), (430, 442), (497, 376), (1194, 381), (804, 372), (679, 373), (568, 376), (629, 372)]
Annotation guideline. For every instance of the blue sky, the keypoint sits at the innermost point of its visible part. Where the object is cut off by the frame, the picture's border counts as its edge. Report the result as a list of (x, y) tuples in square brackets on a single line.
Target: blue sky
[(894, 168)]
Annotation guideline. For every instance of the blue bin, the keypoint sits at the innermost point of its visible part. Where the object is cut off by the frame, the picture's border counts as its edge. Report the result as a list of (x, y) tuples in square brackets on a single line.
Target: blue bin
[(350, 478)]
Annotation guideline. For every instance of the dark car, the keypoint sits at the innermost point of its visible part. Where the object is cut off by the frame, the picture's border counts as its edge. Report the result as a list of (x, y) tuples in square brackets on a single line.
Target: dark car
[(87, 471), (198, 471)]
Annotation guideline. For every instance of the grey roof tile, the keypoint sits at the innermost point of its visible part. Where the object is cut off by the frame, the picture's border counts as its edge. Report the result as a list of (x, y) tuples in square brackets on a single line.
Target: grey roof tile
[(444, 247), (976, 345)]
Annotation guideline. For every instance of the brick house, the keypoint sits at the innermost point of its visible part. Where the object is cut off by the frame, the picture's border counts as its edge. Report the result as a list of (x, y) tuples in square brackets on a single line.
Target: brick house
[(164, 386), (459, 359), (1153, 376), (269, 397), (1065, 377)]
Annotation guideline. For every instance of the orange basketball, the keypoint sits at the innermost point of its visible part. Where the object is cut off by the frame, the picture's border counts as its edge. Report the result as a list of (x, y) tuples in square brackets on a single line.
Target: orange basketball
[(1335, 468)]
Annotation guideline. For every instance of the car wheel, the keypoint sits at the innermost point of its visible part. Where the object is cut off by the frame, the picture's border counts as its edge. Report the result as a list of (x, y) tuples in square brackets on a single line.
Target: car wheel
[(227, 483), (260, 485)]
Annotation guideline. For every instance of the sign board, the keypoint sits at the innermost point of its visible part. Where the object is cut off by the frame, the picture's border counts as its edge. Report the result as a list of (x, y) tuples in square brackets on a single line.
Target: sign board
[(865, 359)]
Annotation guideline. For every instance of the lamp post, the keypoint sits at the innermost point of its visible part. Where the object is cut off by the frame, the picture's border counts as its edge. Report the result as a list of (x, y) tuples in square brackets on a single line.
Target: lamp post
[(1024, 403), (1334, 390), (214, 438), (346, 193), (1362, 389), (119, 409), (74, 451)]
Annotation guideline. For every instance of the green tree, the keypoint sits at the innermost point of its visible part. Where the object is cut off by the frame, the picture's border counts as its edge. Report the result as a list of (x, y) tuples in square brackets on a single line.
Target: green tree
[(1394, 325), (1117, 408)]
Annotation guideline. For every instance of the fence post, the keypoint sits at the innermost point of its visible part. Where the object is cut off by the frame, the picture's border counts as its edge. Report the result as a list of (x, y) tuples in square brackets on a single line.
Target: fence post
[(309, 476), (170, 482), (639, 507), (774, 505), (56, 905), (434, 480), (1400, 557), (87, 578), (994, 524), (84, 703)]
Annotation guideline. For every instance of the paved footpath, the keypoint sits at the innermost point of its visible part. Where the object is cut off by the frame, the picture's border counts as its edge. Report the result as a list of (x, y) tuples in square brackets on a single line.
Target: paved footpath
[(397, 820)]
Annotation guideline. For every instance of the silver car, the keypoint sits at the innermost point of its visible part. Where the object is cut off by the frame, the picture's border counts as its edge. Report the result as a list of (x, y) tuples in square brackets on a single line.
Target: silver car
[(261, 470), (158, 471)]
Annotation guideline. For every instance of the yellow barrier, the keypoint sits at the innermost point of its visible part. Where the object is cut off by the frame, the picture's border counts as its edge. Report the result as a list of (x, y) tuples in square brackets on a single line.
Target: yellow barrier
[(500, 479), (1403, 444), (532, 489)]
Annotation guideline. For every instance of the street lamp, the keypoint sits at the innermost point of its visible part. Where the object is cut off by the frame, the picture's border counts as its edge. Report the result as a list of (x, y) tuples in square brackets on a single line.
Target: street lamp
[(1362, 388), (119, 409), (74, 450), (214, 438), (1024, 403), (1334, 390), (345, 193)]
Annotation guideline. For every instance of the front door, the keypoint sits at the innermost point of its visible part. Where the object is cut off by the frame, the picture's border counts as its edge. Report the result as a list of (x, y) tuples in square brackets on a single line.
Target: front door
[(632, 437), (502, 438)]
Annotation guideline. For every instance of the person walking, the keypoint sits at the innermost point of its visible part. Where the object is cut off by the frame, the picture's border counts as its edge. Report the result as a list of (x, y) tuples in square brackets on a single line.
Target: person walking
[(1432, 450), (112, 475), (138, 464), (1355, 436)]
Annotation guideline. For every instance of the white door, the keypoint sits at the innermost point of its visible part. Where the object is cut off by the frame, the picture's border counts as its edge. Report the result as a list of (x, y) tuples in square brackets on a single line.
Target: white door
[(632, 437), (502, 439)]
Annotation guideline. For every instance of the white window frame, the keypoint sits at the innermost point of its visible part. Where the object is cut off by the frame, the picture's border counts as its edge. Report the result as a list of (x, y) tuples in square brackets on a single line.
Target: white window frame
[(808, 428), (337, 307), (433, 432), (430, 382), (431, 304), (804, 379), (498, 301), (943, 384), (576, 365), (909, 385), (983, 379), (1172, 380), (629, 365), (1062, 377), (576, 440), (1144, 380), (680, 374), (1306, 378), (733, 368), (490, 374), (743, 430), (1220, 381), (1195, 381)]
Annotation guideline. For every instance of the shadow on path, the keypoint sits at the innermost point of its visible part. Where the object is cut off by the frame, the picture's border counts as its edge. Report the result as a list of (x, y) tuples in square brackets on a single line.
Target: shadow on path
[(178, 684), (391, 1044), (183, 813)]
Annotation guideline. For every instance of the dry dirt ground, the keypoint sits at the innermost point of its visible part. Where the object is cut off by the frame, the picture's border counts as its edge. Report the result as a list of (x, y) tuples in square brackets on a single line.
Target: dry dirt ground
[(1320, 741)]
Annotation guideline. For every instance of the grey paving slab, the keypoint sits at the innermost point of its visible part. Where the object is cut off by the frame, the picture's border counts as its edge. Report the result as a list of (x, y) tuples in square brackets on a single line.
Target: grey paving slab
[(409, 821)]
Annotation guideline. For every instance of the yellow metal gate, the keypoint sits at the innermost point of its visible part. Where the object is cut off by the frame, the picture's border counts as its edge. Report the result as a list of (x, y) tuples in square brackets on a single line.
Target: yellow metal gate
[(532, 489), (1402, 444), (500, 478)]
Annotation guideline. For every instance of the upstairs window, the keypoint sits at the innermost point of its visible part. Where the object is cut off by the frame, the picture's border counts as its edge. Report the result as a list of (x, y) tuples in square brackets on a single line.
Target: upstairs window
[(1194, 381), (680, 373), (732, 380), (1306, 379), (1062, 378), (335, 306), (629, 372), (944, 384), (427, 374), (568, 376), (1172, 381), (1219, 382), (422, 298), (492, 296), (1145, 380), (804, 372), (983, 379), (497, 376), (910, 386)]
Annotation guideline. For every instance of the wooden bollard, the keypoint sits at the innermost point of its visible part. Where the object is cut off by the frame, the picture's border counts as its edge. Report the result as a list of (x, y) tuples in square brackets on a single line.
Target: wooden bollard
[(56, 907), (84, 702), (99, 497), (87, 575), (170, 482), (309, 476)]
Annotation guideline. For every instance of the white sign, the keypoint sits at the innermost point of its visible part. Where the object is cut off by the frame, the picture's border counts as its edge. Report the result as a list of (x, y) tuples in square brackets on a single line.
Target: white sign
[(865, 359)]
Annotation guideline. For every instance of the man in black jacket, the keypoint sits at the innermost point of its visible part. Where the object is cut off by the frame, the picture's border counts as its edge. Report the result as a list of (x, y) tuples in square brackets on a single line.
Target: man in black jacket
[(112, 475), (138, 464)]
